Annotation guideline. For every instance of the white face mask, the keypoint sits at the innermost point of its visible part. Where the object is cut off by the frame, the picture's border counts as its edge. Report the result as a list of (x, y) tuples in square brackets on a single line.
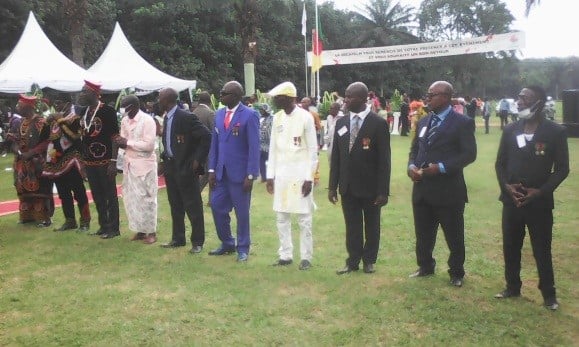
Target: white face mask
[(529, 112)]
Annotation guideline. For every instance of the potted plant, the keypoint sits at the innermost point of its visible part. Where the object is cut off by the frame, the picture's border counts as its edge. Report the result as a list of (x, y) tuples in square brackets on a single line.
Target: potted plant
[(395, 103)]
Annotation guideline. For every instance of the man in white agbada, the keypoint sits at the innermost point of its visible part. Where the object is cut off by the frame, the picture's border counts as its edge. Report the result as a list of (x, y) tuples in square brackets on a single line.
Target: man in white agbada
[(138, 135), (292, 161)]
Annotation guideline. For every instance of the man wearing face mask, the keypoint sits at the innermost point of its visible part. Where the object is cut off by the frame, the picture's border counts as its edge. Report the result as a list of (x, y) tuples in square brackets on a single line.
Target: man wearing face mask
[(532, 160), (138, 134)]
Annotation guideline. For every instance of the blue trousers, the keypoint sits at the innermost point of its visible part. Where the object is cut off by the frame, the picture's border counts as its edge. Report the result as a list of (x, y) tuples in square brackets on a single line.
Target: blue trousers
[(226, 196)]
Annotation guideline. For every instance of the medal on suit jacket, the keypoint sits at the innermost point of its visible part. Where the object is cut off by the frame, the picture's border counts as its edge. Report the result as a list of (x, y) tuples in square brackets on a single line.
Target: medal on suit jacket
[(539, 148), (366, 143), (235, 130)]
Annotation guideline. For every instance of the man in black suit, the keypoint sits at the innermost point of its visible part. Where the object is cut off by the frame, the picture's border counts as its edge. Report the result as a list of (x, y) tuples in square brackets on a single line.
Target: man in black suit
[(360, 167), (443, 146), (207, 116), (186, 144), (532, 160)]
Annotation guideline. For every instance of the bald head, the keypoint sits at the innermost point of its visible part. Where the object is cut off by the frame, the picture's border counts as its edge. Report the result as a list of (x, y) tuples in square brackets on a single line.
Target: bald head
[(439, 96), (131, 105), (356, 96), (168, 99), (130, 100), (231, 94)]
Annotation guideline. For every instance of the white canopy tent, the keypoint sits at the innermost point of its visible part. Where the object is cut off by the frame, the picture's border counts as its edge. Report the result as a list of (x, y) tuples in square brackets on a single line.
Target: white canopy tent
[(120, 67), (36, 60)]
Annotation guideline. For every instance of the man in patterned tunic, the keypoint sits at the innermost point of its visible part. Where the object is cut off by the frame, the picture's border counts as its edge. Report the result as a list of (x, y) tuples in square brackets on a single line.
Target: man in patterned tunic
[(99, 128)]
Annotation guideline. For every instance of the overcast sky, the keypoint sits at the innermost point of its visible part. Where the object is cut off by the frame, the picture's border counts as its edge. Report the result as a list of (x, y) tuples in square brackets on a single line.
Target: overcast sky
[(550, 29)]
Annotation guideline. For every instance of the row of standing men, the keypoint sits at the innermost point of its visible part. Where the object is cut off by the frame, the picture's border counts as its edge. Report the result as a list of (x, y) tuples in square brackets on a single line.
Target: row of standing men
[(532, 161)]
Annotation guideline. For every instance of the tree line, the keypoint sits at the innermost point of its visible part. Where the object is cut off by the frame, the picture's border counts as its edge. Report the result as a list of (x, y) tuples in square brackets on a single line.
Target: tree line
[(208, 41)]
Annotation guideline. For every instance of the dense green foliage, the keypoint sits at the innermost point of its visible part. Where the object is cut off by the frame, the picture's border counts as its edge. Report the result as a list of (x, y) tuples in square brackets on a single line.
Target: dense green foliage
[(207, 41)]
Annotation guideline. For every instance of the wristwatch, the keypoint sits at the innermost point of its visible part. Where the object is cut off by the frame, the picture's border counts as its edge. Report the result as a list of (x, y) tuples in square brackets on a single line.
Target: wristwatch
[(250, 177)]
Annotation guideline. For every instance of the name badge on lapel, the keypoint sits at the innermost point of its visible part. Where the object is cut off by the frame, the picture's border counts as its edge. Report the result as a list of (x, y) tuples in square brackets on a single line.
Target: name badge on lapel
[(342, 130), (521, 142), (422, 132)]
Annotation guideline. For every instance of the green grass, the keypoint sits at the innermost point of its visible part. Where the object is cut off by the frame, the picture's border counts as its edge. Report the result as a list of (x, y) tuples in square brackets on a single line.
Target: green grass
[(70, 290)]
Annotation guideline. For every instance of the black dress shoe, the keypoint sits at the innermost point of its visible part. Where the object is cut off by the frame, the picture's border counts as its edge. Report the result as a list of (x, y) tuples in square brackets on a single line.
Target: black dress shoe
[(107, 236), (98, 233), (282, 262), (196, 249), (68, 225), (507, 293), (346, 269), (305, 265), (222, 250), (552, 303), (172, 244), (456, 281), (421, 273), (369, 268), (44, 224)]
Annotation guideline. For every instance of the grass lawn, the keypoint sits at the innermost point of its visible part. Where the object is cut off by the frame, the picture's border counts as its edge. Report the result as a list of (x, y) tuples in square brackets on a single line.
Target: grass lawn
[(70, 289)]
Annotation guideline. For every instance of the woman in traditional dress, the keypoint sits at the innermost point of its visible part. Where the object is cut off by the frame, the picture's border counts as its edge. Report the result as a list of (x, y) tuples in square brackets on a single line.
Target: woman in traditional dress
[(30, 143)]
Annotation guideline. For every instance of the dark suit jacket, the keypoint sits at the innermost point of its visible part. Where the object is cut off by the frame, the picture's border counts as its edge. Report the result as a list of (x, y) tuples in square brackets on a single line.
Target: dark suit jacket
[(205, 115), (190, 140), (454, 146), (365, 171), (542, 163)]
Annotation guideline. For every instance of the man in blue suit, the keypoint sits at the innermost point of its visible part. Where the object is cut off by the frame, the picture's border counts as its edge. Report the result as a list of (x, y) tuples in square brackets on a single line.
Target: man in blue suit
[(443, 146), (233, 166)]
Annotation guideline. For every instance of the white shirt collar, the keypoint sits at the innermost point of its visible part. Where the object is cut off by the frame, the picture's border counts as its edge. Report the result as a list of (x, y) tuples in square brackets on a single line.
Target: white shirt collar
[(232, 109), (362, 114)]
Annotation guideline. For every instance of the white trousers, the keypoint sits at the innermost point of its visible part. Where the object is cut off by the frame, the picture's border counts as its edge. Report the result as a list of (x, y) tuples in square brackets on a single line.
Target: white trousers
[(284, 230)]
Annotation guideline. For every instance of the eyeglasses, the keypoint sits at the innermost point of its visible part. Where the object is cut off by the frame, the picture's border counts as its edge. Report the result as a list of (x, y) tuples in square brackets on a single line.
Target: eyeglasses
[(224, 93), (432, 95)]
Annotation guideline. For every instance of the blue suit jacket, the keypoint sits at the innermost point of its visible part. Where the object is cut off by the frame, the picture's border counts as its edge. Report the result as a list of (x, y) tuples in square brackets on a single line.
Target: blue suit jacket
[(237, 148), (454, 145)]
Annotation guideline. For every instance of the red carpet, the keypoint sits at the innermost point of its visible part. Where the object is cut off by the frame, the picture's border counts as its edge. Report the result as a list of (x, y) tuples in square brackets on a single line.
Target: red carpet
[(9, 207)]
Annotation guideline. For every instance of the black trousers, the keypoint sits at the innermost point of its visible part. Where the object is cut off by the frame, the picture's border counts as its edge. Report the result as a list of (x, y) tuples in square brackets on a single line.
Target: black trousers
[(427, 218), (486, 124), (362, 219), (539, 221), (68, 184), (184, 197), (104, 193), (404, 128)]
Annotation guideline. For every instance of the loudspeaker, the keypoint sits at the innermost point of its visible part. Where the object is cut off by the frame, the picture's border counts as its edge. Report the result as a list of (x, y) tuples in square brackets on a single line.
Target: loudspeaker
[(571, 111)]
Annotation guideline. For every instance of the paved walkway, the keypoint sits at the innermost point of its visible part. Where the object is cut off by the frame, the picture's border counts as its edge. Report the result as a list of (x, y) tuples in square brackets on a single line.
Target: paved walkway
[(10, 207)]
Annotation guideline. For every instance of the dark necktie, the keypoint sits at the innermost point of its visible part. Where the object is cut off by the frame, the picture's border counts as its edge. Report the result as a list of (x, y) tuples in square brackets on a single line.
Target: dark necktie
[(434, 124)]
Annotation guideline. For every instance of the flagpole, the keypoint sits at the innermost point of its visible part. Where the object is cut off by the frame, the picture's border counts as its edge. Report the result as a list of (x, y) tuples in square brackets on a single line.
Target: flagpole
[(305, 46), (317, 72)]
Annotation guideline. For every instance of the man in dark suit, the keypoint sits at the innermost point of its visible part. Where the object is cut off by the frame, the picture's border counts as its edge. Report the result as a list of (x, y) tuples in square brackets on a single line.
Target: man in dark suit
[(360, 167), (233, 166), (186, 144), (532, 160), (444, 144), (207, 116)]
